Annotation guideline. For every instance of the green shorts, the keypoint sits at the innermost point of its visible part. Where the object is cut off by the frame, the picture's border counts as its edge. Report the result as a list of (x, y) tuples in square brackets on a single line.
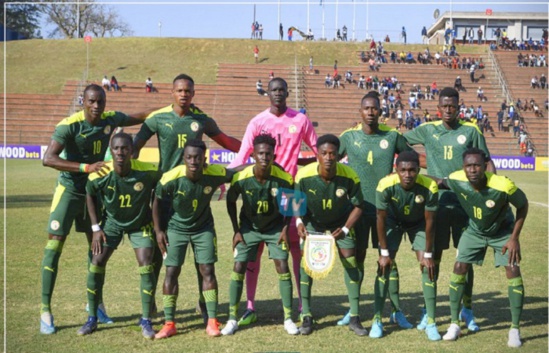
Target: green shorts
[(248, 252), (364, 227), (395, 234), (347, 242), (139, 238), (203, 244), (451, 220), (472, 247), (68, 207)]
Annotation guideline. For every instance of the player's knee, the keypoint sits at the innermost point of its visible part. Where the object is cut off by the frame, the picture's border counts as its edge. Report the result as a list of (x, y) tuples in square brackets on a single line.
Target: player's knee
[(55, 245), (240, 267), (461, 268), (97, 269), (238, 277)]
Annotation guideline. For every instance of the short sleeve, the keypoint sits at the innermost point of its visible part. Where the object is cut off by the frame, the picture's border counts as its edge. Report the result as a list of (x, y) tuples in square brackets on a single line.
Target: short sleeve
[(210, 127), (148, 129), (415, 136)]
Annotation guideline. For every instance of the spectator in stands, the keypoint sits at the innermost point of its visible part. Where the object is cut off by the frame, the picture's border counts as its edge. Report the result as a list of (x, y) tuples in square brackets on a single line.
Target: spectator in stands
[(480, 95), (149, 85), (271, 75), (424, 35), (437, 58), (471, 35), (259, 88), (328, 81), (543, 81), (534, 82), (472, 73), (337, 81), (464, 39), (412, 100), (363, 57), (523, 136), (402, 57), (479, 35), (458, 85), (403, 34), (256, 54), (399, 119), (546, 104), (541, 60), (500, 120), (81, 99), (106, 83), (409, 58), (537, 111), (372, 64), (434, 88), (349, 76), (387, 39), (361, 82), (114, 84), (529, 149)]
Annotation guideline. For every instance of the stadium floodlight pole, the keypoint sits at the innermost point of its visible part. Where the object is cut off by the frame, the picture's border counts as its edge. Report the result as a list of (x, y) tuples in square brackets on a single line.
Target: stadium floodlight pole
[(308, 16), (354, 18), (323, 13), (337, 10), (78, 19), (367, 17)]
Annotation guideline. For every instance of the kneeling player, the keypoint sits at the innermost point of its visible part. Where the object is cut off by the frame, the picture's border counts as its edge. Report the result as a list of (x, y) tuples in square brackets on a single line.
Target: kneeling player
[(125, 193), (260, 221), (406, 202)]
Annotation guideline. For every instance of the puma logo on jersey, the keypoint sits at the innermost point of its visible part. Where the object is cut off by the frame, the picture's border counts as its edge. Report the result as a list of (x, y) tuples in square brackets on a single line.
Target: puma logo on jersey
[(181, 192), (436, 136), (395, 199), (94, 292), (454, 288), (312, 191), (169, 125), (110, 187), (83, 135), (464, 196), (356, 143), (249, 193), (148, 292), (49, 269), (430, 284)]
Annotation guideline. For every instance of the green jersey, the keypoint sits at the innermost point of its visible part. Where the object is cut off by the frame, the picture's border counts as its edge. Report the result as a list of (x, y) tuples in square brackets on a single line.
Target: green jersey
[(407, 207), (488, 209), (329, 204), (444, 148), (259, 203), (173, 131), (127, 199), (85, 143), (371, 157), (191, 200)]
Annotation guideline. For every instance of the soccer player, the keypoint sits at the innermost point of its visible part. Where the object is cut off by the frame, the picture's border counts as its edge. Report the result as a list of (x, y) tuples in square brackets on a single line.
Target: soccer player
[(445, 141), (125, 194), (77, 148), (260, 221), (486, 197), (174, 125), (406, 202), (370, 148), (289, 128), (189, 188), (334, 202)]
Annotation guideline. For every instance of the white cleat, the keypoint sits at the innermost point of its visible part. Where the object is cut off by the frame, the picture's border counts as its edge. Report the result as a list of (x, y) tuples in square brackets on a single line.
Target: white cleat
[(514, 338), (290, 327), (453, 333), (230, 328)]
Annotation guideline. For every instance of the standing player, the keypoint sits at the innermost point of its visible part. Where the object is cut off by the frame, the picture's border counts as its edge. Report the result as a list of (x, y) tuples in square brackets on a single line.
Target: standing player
[(334, 202), (289, 128), (406, 202), (486, 197), (125, 194), (174, 125), (260, 221), (189, 188), (445, 141), (83, 139), (370, 148)]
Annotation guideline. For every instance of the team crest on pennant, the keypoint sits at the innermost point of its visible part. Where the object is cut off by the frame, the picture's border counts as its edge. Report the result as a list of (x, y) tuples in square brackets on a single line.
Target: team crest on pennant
[(319, 253), (194, 126), (138, 186), (107, 130), (207, 190)]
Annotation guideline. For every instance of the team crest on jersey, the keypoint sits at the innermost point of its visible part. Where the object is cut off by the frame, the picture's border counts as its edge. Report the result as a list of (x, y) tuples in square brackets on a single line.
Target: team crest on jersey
[(274, 192), (107, 130), (54, 225), (194, 126), (384, 144), (138, 186), (340, 192), (292, 129), (419, 199), (461, 139), (490, 203), (207, 190)]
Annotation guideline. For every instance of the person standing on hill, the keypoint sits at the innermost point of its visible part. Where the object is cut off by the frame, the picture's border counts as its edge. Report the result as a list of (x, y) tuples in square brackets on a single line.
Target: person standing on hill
[(281, 32), (256, 54)]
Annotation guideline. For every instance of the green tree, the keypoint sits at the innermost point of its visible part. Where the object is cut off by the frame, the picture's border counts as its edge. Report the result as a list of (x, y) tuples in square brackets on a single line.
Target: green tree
[(23, 18)]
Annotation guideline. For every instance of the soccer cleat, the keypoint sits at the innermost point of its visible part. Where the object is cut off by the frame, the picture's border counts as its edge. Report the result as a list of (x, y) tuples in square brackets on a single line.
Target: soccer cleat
[(290, 327), (514, 338), (345, 320), (89, 327), (399, 318), (248, 318), (146, 329), (377, 329), (432, 332), (46, 324), (213, 328), (453, 333), (101, 314), (306, 325), (201, 309), (469, 319), (168, 330), (230, 328), (423, 323), (356, 326)]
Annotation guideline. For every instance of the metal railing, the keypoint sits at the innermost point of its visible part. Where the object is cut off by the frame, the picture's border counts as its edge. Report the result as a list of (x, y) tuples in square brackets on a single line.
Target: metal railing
[(79, 88)]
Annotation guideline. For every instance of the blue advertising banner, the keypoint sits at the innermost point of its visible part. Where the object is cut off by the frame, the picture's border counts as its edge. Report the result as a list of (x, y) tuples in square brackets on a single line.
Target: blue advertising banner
[(514, 163), (21, 152)]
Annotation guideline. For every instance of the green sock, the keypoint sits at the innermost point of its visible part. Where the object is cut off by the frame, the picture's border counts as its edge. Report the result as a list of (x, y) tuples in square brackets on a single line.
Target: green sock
[(468, 290), (352, 282), (305, 283), (50, 263), (96, 279), (457, 285), (381, 287), (429, 295), (285, 287), (147, 288), (235, 293), (210, 297), (169, 301), (394, 287), (199, 279), (516, 299)]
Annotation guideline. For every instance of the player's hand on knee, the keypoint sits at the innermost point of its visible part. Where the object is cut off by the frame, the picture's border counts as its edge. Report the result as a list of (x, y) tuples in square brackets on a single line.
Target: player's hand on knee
[(429, 264), (238, 238), (384, 265), (98, 239), (162, 241), (284, 239), (513, 247)]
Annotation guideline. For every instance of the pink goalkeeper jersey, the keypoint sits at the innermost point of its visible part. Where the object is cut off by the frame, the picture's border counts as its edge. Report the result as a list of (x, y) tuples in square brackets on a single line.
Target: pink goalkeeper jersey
[(289, 130)]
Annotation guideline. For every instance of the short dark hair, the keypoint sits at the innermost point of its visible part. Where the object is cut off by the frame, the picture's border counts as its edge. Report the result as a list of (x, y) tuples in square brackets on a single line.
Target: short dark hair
[(371, 95), (449, 92), (278, 79), (328, 138), (93, 87), (183, 77), (474, 150), (123, 135), (408, 156), (265, 138), (195, 143)]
